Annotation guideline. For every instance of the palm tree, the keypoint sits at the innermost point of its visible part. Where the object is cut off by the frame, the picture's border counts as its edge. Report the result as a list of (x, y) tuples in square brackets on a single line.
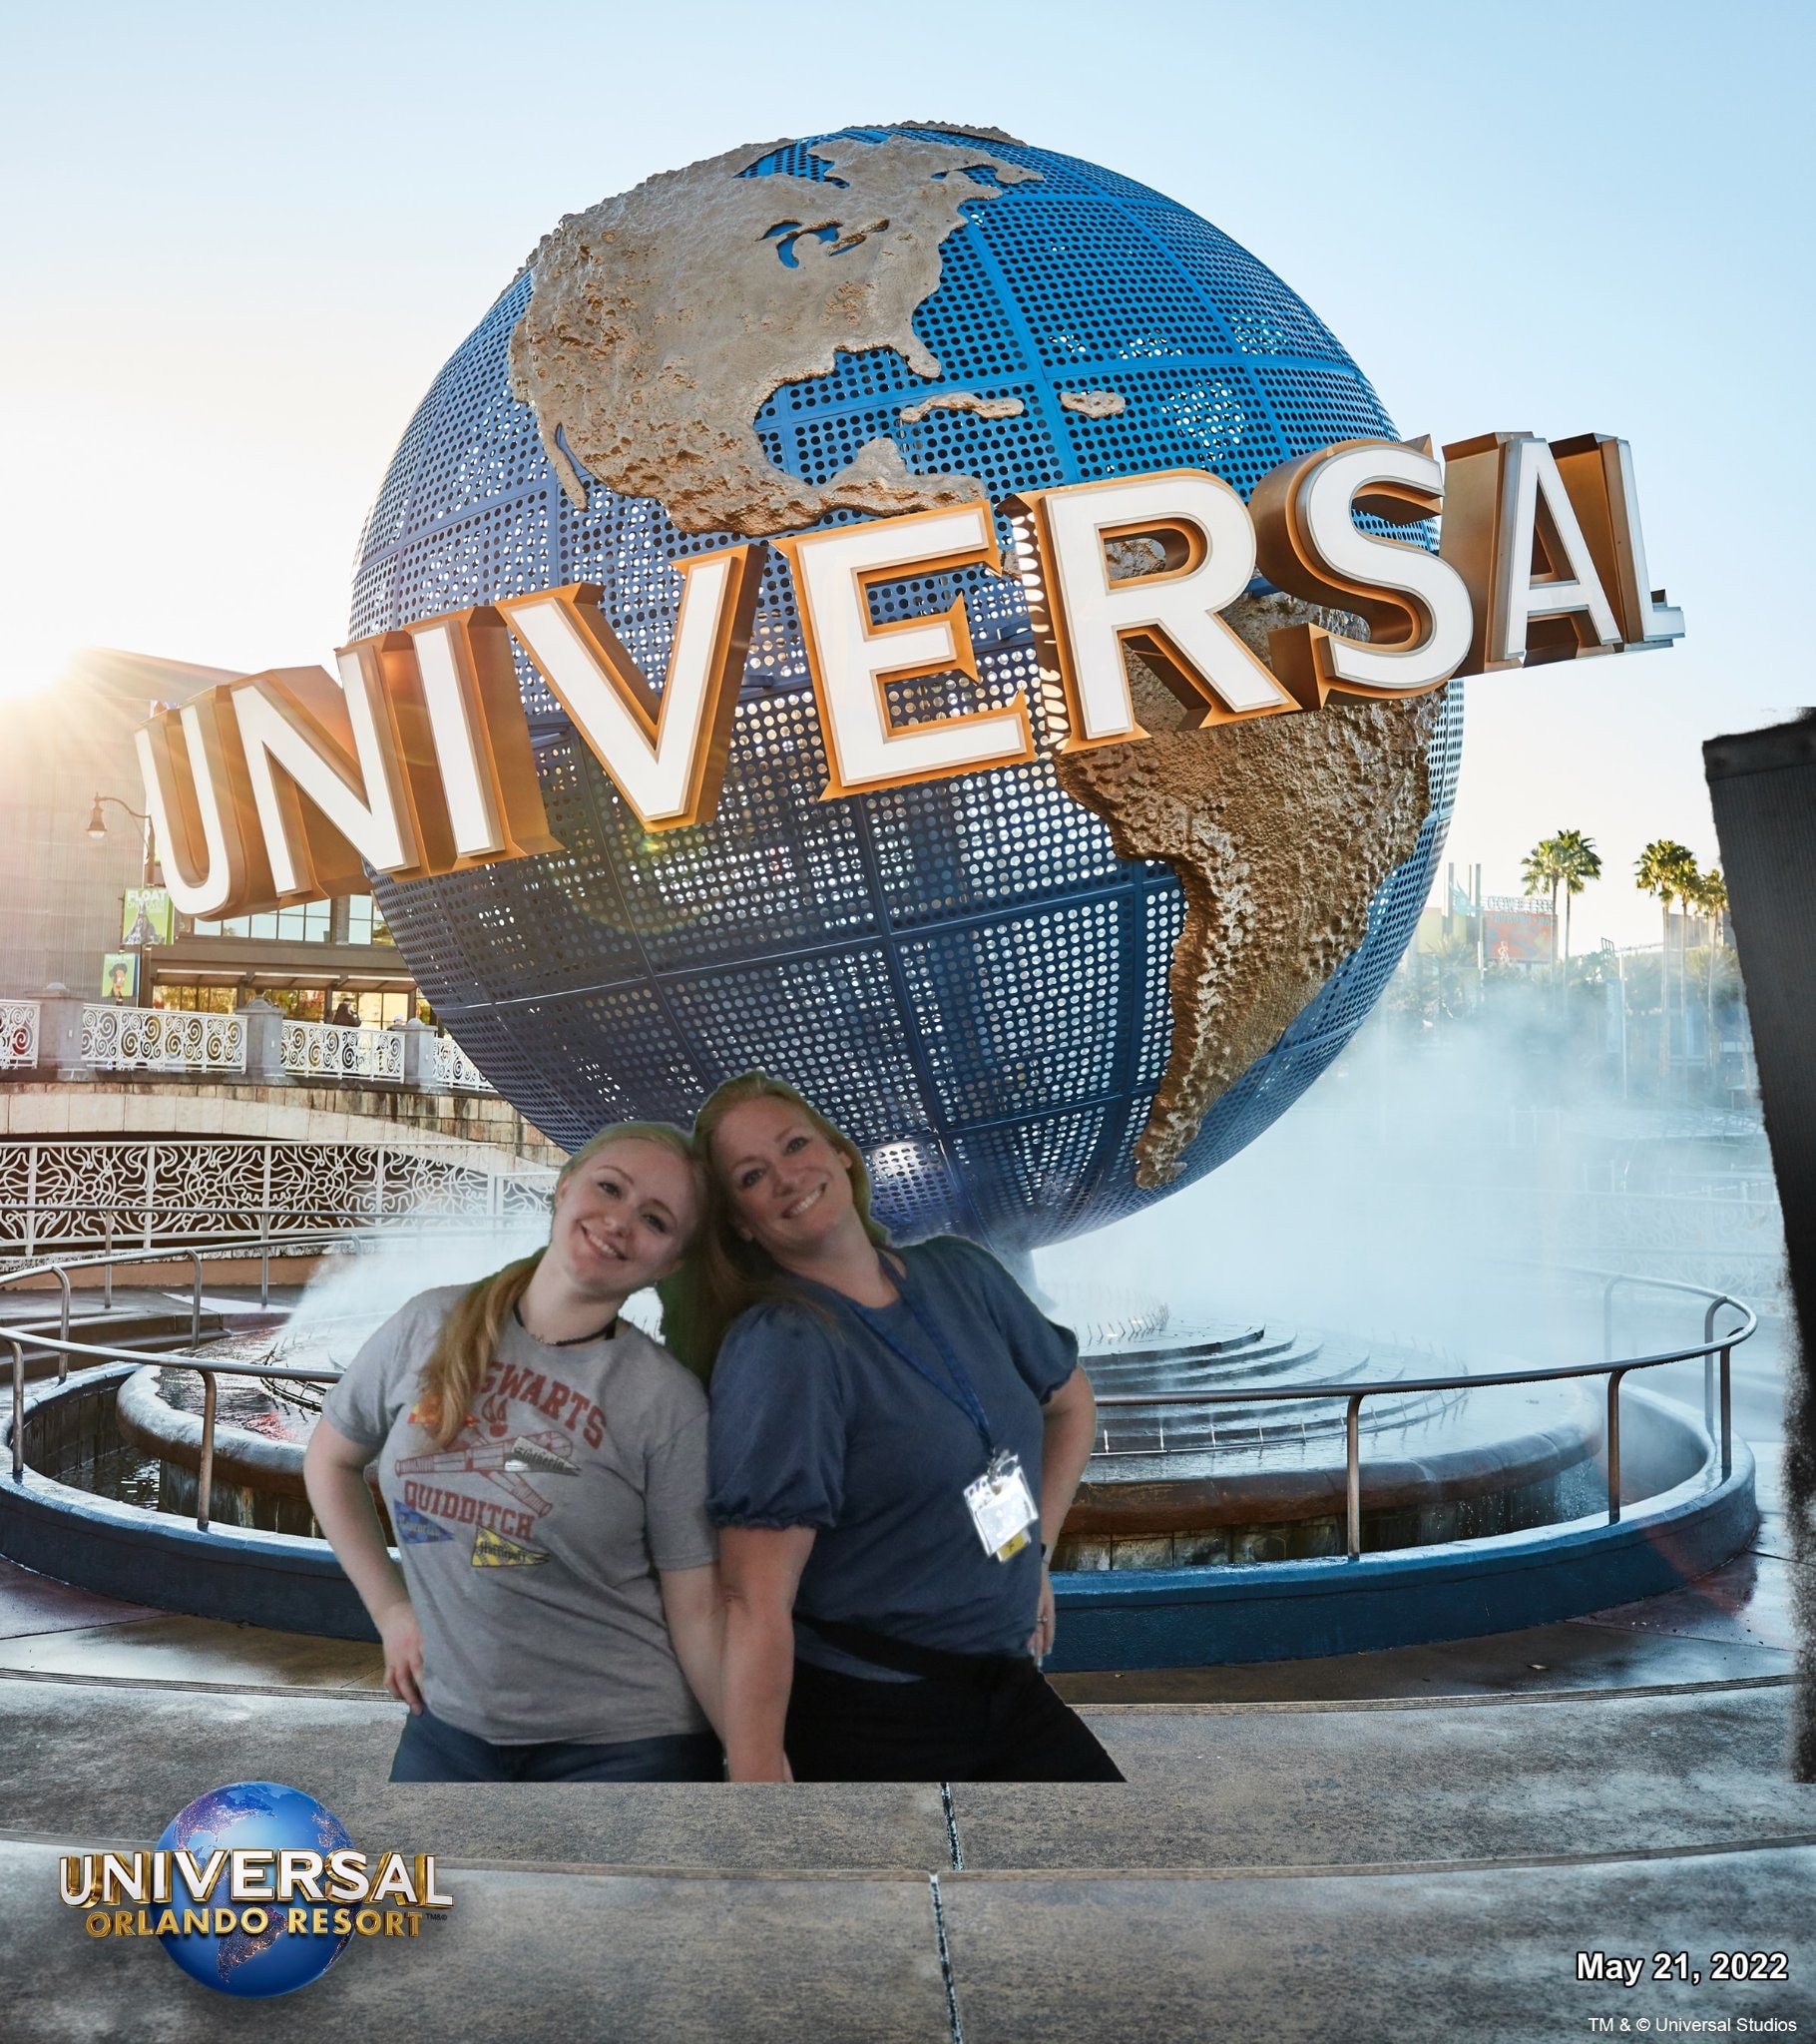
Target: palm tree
[(1708, 895), (1569, 860), (1540, 872), (1709, 898), (1667, 868), (1578, 863)]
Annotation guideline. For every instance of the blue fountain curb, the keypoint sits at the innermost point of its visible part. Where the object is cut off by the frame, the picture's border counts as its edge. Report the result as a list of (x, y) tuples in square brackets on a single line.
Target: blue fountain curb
[(239, 1573), (1133, 1617), (1297, 1610)]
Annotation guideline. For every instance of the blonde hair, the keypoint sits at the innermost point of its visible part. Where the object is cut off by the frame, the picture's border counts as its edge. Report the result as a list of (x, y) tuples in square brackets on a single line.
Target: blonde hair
[(468, 1339), (725, 1275)]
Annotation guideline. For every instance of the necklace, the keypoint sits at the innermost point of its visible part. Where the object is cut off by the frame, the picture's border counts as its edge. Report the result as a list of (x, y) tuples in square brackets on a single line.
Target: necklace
[(606, 1334)]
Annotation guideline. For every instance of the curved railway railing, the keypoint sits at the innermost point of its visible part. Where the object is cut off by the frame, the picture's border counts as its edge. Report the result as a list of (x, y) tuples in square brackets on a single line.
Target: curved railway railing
[(1715, 1352)]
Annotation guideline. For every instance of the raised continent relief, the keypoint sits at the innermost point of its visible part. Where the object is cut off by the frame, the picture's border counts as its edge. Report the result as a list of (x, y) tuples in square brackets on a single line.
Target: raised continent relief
[(1280, 829), (664, 319)]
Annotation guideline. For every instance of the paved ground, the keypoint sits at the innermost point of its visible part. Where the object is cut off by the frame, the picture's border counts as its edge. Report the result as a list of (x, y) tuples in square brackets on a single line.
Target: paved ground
[(1402, 1845)]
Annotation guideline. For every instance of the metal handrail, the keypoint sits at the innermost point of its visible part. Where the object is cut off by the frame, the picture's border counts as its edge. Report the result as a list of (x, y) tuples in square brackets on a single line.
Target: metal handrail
[(19, 1338), (1611, 1281), (1614, 1371), (1353, 1395), (316, 1242)]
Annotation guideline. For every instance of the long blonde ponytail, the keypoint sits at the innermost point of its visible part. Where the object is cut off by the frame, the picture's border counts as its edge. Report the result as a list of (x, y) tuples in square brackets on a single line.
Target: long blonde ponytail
[(464, 1348)]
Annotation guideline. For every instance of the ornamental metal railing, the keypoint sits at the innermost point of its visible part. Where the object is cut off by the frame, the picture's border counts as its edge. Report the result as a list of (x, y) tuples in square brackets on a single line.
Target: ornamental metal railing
[(1715, 1352), (97, 1193), (331, 1050), (19, 1022), (453, 1068), (120, 1039)]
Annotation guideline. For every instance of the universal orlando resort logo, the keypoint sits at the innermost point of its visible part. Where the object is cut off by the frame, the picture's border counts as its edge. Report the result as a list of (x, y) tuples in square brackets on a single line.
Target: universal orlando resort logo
[(255, 1890)]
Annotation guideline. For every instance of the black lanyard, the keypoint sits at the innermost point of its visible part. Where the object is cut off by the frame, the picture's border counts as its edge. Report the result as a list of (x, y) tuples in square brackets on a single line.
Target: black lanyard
[(960, 1391)]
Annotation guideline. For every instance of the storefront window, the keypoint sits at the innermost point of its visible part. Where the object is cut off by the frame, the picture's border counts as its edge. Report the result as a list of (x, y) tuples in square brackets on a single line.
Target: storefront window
[(379, 1011), (304, 923), (202, 1000), (301, 1004), (365, 924)]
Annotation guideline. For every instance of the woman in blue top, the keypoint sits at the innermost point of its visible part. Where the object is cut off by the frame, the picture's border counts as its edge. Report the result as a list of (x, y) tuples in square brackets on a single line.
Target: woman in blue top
[(895, 1438)]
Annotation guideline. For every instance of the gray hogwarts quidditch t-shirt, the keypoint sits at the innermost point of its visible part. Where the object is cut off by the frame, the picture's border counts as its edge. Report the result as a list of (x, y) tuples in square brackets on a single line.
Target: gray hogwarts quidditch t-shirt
[(530, 1544)]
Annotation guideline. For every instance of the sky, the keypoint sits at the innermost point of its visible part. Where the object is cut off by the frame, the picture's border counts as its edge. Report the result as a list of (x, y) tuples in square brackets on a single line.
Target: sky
[(240, 241)]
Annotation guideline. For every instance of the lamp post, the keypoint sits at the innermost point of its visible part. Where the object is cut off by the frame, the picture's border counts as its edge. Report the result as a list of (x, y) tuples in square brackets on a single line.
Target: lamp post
[(142, 933)]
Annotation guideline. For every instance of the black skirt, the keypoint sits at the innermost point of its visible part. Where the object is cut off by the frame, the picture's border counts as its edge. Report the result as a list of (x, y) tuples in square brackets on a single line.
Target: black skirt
[(996, 1719)]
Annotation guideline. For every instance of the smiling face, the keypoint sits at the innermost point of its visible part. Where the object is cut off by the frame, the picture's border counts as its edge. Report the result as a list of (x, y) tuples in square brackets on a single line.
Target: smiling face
[(788, 1186), (623, 1217)]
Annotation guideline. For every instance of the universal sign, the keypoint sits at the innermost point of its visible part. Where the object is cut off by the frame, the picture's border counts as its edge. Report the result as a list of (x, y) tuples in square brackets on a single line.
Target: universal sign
[(328, 1894), (276, 786)]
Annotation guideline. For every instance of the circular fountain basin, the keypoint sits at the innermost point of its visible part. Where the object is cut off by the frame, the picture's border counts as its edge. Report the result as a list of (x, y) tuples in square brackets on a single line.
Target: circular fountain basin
[(1234, 1481), (257, 1478), (52, 1523), (1681, 1516)]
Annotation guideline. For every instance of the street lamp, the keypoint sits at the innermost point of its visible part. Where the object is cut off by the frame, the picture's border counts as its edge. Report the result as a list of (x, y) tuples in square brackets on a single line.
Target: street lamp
[(142, 933)]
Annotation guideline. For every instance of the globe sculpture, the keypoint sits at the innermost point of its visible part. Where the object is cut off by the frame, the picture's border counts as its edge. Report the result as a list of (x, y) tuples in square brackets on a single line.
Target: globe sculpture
[(252, 1816), (1039, 997)]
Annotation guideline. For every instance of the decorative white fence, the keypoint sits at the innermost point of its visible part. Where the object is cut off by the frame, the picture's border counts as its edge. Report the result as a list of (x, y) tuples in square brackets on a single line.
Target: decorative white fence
[(18, 1034), (92, 1192), (257, 1043), (454, 1068), (116, 1039), (326, 1050)]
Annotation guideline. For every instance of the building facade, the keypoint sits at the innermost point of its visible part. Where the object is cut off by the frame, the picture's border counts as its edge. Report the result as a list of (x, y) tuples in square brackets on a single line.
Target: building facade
[(69, 896)]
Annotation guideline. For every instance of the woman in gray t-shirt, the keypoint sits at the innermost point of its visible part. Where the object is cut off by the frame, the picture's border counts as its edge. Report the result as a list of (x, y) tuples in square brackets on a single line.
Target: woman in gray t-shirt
[(544, 1465)]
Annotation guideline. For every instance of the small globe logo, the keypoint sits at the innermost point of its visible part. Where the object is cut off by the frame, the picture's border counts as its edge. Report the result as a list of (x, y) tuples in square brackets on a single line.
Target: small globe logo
[(1040, 998), (263, 1816)]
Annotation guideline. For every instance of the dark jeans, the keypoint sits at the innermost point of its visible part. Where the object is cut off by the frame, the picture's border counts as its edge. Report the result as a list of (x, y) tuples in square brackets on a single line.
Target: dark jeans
[(432, 1749), (1000, 1723)]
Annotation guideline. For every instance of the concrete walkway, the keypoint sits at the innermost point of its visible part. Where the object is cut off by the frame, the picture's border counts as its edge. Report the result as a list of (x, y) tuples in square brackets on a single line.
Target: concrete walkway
[(1387, 1846)]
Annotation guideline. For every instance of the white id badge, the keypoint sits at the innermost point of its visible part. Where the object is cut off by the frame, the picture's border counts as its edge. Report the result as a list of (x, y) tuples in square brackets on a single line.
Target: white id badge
[(1002, 1507)]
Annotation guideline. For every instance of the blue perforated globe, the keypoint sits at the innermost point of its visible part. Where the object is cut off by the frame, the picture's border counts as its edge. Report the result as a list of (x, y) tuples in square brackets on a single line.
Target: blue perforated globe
[(964, 974)]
